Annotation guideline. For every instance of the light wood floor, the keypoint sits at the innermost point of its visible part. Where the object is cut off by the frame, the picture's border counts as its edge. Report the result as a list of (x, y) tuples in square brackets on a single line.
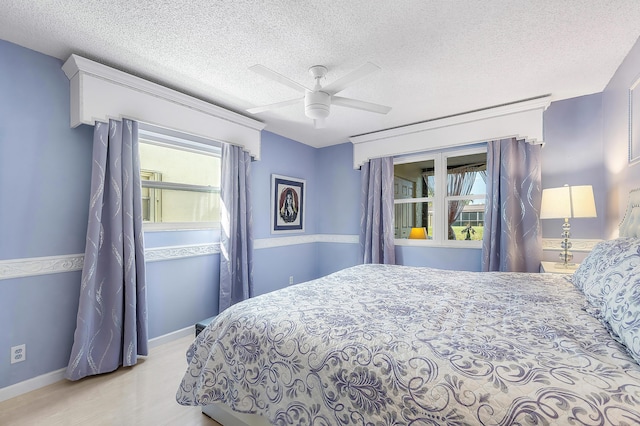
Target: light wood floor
[(139, 395)]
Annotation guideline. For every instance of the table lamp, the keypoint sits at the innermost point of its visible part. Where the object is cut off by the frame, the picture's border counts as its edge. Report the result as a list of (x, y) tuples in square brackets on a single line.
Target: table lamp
[(564, 203)]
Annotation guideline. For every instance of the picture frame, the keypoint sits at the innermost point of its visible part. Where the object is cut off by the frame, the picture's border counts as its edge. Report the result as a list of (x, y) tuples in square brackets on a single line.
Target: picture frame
[(288, 200), (634, 122)]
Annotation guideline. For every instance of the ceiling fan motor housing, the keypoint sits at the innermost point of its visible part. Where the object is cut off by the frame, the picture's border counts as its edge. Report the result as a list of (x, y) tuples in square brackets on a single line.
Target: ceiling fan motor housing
[(316, 104)]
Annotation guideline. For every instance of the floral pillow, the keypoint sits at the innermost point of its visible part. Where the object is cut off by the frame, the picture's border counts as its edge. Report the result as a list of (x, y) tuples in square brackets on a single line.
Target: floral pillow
[(609, 264), (622, 312)]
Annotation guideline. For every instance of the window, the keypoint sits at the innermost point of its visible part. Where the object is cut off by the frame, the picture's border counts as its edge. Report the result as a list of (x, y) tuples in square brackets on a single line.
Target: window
[(443, 192), (180, 180)]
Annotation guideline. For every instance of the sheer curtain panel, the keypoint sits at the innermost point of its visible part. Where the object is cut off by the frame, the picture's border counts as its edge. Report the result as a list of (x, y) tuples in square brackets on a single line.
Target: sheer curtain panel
[(512, 240), (376, 220), (460, 181), (111, 327), (236, 236)]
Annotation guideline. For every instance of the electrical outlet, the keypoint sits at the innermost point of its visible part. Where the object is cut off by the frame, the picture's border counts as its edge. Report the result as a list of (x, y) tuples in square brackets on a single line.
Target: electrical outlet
[(18, 353), (291, 279)]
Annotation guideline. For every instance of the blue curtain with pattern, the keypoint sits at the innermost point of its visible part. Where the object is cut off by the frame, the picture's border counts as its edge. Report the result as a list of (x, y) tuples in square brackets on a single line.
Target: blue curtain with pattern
[(512, 240), (111, 326), (376, 205), (236, 235)]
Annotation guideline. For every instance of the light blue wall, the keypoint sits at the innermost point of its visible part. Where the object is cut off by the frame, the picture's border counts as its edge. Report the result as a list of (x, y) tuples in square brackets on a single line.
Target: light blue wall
[(338, 191), (44, 190), (461, 259), (181, 292), (43, 168), (573, 155), (285, 157), (339, 207), (272, 267), (621, 177), (41, 312)]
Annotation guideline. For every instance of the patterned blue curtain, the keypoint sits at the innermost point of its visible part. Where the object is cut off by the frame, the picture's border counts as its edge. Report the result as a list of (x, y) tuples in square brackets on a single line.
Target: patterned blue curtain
[(512, 239), (376, 219), (236, 236), (111, 328)]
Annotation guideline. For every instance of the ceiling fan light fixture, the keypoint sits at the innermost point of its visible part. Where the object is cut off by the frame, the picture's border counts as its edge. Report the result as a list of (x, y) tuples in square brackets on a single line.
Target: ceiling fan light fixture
[(316, 105), (318, 100)]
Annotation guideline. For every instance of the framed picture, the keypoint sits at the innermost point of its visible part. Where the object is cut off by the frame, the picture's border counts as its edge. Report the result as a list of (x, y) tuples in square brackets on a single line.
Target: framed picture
[(287, 204), (634, 122)]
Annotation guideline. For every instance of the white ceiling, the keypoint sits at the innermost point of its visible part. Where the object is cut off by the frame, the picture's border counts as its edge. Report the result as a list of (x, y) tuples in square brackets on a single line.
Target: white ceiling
[(438, 57)]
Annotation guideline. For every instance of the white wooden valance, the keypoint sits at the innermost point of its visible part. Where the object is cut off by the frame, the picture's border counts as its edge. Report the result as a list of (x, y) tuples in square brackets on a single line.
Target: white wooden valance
[(522, 120), (99, 93)]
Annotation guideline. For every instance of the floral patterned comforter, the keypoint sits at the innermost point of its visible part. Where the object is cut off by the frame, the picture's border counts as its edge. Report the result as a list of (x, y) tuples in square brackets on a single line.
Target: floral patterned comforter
[(396, 345)]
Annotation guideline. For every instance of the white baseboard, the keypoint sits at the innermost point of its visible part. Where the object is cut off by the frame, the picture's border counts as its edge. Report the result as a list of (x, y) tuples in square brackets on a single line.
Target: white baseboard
[(174, 335), (31, 384), (55, 376)]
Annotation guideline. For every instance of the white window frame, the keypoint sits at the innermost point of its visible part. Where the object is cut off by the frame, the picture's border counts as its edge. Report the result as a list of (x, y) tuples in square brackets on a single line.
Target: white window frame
[(441, 199), (155, 200), (163, 137)]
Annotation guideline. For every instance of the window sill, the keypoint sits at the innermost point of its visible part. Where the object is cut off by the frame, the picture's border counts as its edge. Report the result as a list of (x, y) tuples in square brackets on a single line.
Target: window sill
[(179, 226), (431, 243)]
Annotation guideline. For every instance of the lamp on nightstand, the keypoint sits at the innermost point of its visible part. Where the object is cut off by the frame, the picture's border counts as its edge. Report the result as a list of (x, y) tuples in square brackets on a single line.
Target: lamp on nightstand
[(564, 203)]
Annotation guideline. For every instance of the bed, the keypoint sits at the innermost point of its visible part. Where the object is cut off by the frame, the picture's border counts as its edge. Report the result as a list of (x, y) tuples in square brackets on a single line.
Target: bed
[(398, 345)]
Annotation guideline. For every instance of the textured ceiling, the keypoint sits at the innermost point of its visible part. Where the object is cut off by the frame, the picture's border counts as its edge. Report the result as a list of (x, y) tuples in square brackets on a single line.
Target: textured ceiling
[(437, 57)]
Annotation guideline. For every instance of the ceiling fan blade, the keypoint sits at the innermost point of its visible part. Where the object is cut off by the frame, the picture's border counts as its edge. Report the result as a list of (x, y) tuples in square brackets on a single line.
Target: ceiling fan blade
[(269, 73), (354, 103), (264, 108), (342, 83), (319, 123)]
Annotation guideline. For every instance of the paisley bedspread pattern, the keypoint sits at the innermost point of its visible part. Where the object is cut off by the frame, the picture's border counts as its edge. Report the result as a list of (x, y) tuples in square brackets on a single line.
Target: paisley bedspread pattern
[(396, 345)]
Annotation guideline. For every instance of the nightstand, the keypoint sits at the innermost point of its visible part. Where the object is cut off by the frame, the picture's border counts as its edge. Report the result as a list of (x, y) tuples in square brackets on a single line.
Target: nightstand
[(553, 268), (202, 324)]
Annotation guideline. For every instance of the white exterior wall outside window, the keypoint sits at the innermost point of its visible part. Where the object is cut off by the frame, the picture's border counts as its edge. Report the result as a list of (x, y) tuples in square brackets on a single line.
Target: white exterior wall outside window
[(180, 183)]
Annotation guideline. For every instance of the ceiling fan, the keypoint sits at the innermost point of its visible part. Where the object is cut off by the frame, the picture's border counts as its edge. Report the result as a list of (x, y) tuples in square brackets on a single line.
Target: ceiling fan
[(317, 101)]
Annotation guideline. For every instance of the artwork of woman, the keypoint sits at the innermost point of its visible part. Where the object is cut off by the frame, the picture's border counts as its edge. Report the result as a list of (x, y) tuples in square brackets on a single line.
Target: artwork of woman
[(288, 205)]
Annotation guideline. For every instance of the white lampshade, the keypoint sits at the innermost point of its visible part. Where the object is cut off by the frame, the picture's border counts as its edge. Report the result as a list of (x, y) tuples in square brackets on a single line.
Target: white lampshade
[(556, 203), (567, 202), (582, 201)]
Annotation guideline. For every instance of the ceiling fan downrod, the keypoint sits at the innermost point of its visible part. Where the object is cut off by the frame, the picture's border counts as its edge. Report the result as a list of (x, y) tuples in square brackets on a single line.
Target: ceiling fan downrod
[(317, 103)]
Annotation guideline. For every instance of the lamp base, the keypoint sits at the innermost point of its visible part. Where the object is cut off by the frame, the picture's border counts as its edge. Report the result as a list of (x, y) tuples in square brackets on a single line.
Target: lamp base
[(565, 255)]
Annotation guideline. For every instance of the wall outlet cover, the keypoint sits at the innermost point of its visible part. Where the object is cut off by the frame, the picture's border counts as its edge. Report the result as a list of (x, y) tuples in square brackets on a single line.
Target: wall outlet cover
[(18, 353)]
